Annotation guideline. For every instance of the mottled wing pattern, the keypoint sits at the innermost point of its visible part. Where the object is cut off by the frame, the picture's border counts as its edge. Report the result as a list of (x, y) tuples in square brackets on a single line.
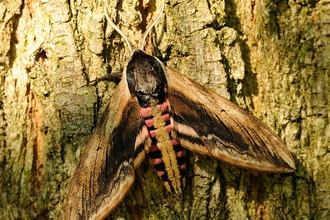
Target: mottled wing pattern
[(106, 170), (207, 123)]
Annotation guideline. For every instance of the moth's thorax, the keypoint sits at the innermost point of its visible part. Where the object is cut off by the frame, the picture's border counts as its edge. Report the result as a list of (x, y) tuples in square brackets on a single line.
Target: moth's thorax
[(167, 154), (146, 79)]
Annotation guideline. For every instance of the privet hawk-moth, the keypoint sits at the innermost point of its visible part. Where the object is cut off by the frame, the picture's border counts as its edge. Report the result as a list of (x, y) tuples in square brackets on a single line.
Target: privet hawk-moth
[(159, 112)]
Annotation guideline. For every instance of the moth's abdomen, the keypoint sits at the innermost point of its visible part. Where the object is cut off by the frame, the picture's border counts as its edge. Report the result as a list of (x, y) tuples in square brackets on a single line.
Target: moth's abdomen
[(167, 154)]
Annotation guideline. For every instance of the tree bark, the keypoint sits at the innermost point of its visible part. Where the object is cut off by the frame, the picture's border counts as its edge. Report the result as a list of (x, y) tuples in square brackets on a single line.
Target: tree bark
[(270, 57)]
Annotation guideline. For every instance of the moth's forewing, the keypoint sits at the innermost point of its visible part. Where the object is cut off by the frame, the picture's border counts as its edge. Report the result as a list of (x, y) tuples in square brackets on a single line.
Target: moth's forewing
[(106, 170), (209, 124)]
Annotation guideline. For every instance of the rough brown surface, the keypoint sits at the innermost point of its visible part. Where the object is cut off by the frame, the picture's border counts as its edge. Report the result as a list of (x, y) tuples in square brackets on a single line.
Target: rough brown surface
[(270, 57)]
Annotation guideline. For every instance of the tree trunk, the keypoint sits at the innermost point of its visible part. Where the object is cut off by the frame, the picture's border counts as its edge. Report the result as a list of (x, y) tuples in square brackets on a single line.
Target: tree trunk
[(270, 57)]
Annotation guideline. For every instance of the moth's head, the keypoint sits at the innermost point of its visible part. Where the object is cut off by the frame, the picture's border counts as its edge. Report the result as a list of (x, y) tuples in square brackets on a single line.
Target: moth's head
[(144, 73), (146, 79)]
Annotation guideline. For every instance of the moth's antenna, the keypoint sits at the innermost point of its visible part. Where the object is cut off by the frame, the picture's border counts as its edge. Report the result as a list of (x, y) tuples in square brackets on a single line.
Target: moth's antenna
[(152, 25), (117, 29)]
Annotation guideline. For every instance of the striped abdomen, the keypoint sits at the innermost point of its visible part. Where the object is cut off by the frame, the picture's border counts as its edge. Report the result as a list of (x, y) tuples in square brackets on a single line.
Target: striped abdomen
[(167, 154)]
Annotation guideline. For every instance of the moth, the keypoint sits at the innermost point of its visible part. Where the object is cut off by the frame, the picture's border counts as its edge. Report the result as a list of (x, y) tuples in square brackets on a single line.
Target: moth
[(156, 111)]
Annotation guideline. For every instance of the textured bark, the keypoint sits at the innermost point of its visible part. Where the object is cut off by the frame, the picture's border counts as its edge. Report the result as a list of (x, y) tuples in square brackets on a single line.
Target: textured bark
[(270, 57)]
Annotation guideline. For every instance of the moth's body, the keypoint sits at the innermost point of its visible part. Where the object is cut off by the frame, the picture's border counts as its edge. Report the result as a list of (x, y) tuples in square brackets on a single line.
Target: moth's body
[(159, 112), (168, 156)]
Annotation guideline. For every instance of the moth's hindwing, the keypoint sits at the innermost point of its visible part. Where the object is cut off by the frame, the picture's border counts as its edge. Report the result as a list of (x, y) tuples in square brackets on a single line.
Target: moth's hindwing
[(207, 123), (106, 170)]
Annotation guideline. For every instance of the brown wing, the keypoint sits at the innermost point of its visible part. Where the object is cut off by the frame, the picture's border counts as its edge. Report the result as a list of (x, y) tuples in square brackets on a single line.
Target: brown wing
[(209, 124), (106, 170)]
